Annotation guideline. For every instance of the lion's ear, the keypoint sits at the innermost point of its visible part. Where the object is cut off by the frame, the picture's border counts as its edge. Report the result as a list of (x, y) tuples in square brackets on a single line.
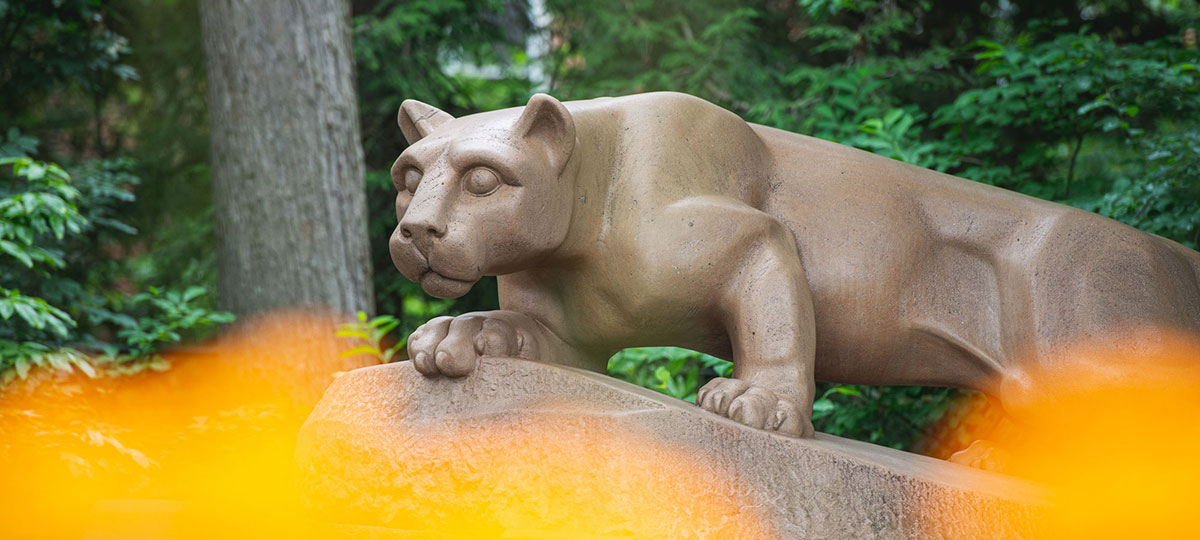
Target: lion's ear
[(547, 124), (417, 119)]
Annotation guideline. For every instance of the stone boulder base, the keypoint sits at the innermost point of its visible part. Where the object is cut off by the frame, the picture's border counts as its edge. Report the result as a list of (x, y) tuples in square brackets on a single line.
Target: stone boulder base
[(520, 449)]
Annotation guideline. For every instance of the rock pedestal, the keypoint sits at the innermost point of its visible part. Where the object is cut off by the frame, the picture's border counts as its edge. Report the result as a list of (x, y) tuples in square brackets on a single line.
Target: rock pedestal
[(520, 449)]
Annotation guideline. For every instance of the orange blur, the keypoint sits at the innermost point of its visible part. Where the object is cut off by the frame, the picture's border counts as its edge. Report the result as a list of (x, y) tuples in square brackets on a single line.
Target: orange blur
[(1120, 456), (206, 450), (549, 476), (161, 454)]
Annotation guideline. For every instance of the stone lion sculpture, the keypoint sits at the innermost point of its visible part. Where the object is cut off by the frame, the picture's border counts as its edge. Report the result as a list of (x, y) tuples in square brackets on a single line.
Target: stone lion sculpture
[(662, 219)]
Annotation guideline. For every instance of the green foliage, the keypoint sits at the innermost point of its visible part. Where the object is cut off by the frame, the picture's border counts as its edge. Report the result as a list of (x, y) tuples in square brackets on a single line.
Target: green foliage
[(895, 416), (424, 49), (51, 47), (121, 82), (645, 45), (1033, 100), (163, 122), (17, 358), (371, 336), (60, 288), (39, 203), (891, 136), (1166, 201), (676, 372), (150, 320)]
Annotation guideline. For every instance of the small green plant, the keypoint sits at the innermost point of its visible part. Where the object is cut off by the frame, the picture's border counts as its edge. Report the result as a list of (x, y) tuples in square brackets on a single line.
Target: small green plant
[(19, 357), (147, 323), (676, 372), (892, 136), (895, 416), (372, 334), (165, 317), (39, 202)]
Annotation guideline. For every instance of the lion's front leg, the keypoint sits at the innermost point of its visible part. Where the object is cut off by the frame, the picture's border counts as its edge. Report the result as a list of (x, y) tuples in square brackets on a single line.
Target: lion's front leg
[(768, 313), (452, 346)]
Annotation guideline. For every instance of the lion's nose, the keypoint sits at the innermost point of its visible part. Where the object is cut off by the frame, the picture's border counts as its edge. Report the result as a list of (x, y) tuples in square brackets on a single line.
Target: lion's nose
[(421, 230), (424, 221)]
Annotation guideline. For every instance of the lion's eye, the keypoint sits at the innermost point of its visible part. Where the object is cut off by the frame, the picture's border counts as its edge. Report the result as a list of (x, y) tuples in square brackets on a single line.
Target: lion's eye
[(481, 181), (412, 177)]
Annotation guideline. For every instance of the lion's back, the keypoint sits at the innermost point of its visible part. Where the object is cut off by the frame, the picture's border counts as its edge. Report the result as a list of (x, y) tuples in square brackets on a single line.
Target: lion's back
[(669, 145)]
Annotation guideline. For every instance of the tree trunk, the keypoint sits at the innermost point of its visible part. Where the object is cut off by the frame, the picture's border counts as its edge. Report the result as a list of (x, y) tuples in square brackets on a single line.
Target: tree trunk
[(288, 191)]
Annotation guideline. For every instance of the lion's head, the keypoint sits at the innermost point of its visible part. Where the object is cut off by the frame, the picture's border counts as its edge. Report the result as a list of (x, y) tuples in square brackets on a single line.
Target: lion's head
[(480, 195)]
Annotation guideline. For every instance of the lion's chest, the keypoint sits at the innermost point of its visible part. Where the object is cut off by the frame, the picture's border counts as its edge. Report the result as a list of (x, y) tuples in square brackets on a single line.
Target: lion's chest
[(609, 305), (622, 301)]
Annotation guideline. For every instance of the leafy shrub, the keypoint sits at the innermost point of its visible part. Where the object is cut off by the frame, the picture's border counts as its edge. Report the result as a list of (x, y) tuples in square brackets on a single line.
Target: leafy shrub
[(895, 416), (1023, 123), (676, 372), (60, 289)]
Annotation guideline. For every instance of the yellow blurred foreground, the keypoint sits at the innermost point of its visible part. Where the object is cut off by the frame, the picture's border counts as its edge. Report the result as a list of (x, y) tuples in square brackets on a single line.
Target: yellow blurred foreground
[(557, 475), (204, 446), (1122, 458), (205, 450)]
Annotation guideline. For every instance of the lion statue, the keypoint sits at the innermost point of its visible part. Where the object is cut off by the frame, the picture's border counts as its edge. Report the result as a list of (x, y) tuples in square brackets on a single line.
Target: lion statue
[(661, 219)]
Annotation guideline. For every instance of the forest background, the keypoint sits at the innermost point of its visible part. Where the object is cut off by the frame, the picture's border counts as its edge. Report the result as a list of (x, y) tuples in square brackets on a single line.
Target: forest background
[(106, 215)]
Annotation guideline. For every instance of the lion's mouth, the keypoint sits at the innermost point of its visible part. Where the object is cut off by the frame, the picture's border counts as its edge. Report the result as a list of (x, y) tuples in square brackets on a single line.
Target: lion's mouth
[(443, 286), (431, 267), (421, 268), (434, 273)]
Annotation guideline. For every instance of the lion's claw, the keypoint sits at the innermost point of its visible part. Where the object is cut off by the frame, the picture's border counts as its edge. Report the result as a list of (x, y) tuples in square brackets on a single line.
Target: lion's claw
[(754, 406), (452, 346)]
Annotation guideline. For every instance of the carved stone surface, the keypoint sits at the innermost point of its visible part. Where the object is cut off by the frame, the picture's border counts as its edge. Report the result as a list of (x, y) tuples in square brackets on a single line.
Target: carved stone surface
[(662, 219), (389, 450)]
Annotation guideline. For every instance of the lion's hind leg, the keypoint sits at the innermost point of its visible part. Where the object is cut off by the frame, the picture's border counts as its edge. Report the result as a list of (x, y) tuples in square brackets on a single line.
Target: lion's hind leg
[(1108, 303)]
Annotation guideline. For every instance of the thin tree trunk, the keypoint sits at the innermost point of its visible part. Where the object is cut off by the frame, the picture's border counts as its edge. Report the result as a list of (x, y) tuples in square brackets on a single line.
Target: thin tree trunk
[(288, 191)]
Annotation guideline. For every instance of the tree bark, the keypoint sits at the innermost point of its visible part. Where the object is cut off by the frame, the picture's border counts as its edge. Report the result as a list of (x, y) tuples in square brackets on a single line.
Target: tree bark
[(289, 198)]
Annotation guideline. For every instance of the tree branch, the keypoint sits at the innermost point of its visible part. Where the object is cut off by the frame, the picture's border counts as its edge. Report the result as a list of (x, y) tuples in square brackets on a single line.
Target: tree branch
[(1071, 168)]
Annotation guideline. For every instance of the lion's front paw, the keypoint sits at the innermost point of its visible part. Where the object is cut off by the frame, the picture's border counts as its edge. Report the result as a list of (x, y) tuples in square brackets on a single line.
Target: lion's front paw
[(452, 346), (754, 406)]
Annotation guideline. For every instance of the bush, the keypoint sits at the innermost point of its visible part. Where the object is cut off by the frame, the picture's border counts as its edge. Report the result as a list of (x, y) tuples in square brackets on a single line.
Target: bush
[(676, 372), (61, 289)]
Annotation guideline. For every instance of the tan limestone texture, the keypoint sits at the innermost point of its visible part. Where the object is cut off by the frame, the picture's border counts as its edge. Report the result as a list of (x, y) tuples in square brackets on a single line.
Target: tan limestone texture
[(524, 449)]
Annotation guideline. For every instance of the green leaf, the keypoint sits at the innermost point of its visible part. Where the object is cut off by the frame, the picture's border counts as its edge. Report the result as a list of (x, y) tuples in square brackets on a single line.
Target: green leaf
[(16, 252), (85, 367), (31, 316), (193, 292), (22, 366), (1091, 106), (662, 375)]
